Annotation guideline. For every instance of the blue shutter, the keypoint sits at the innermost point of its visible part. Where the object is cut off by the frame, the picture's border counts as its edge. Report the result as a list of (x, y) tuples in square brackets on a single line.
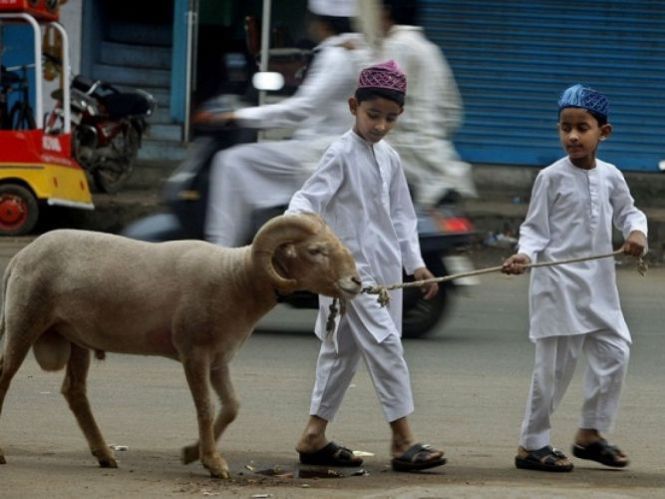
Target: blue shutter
[(512, 59)]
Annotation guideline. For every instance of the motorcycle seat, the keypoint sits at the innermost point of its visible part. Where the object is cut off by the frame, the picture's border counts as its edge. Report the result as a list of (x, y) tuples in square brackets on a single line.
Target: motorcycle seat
[(126, 104)]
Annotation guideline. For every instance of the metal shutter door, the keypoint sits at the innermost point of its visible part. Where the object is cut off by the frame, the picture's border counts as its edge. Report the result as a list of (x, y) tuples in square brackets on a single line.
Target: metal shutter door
[(513, 58)]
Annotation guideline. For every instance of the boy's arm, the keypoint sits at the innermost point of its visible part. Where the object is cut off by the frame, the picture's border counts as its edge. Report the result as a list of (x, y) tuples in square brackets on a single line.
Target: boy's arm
[(329, 69), (320, 187), (404, 220), (628, 219), (535, 230)]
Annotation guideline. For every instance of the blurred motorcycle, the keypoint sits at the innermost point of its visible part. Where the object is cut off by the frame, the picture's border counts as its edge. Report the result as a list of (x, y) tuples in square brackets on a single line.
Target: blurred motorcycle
[(107, 128)]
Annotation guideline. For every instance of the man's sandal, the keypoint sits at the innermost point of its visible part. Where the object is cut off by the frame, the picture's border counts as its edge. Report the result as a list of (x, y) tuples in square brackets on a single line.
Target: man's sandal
[(602, 452), (543, 459)]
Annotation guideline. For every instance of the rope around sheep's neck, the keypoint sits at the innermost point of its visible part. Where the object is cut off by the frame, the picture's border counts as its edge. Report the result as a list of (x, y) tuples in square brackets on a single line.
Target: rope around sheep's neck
[(384, 297)]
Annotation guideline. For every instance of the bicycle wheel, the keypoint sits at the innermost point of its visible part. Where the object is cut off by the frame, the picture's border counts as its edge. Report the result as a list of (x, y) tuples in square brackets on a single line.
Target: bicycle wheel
[(22, 117)]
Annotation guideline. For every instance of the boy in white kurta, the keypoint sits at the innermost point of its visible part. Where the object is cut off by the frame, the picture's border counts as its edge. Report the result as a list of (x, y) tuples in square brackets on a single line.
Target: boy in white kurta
[(575, 308), (359, 188)]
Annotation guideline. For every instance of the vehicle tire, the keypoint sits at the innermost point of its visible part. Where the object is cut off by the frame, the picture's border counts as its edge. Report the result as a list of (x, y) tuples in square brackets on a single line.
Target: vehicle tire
[(112, 175), (420, 316), (19, 210)]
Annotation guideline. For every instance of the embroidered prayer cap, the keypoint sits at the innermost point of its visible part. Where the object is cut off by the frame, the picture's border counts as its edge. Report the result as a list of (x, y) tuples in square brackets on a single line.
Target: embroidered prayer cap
[(386, 75), (585, 98), (332, 8)]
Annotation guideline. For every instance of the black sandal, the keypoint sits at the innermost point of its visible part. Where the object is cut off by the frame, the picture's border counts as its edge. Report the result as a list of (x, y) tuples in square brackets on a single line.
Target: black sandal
[(543, 459), (331, 455), (602, 452), (418, 457)]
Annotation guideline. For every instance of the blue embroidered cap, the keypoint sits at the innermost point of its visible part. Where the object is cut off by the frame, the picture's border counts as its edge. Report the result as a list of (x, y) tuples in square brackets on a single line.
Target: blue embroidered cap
[(585, 98)]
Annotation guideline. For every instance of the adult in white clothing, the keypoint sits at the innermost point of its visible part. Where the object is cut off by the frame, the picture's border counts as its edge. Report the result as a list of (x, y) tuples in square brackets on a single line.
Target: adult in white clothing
[(574, 308), (265, 174), (432, 113), (359, 188)]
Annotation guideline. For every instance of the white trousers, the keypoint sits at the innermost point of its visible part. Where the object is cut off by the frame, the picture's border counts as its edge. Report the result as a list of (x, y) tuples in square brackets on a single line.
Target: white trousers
[(246, 177), (607, 357), (385, 363), (433, 168)]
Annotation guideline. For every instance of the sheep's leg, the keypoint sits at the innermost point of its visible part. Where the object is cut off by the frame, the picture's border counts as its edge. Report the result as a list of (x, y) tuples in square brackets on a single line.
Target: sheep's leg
[(221, 382), (197, 367), (74, 391), (10, 362)]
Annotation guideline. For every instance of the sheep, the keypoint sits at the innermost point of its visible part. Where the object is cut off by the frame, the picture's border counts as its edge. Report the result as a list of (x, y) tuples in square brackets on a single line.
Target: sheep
[(71, 291)]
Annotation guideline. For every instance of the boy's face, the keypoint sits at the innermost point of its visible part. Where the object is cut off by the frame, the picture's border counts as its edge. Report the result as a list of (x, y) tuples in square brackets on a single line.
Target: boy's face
[(374, 117), (580, 135)]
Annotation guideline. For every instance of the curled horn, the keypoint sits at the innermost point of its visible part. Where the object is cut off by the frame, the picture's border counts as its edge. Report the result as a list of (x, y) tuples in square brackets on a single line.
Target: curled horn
[(276, 232)]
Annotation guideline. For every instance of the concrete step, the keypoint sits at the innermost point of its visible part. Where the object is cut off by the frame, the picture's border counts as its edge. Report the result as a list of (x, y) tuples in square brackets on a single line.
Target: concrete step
[(132, 77), (168, 132), (161, 115), (131, 55), (162, 150)]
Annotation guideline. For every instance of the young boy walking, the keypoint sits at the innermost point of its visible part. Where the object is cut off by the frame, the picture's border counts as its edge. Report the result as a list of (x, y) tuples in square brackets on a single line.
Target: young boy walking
[(359, 188), (574, 309)]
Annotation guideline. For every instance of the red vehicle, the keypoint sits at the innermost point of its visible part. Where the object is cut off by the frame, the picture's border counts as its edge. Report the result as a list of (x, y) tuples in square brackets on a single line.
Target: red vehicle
[(37, 169)]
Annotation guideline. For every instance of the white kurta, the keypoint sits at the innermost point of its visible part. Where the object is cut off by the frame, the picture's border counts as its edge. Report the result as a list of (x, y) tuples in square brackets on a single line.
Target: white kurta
[(432, 113), (251, 176), (360, 190), (571, 215)]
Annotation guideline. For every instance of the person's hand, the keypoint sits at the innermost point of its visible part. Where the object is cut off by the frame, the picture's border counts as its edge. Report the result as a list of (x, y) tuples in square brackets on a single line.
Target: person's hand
[(635, 244), (206, 117), (430, 289), (515, 264)]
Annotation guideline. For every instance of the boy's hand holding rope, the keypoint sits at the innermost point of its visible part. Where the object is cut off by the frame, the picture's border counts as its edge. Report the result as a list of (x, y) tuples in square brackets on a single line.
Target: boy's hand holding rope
[(384, 297)]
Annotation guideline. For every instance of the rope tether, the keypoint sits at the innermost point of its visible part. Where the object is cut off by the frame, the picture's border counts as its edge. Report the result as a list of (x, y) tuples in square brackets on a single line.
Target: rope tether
[(384, 297)]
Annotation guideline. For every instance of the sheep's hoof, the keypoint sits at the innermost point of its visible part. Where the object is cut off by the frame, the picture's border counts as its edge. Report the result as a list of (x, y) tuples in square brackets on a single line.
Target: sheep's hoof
[(2, 458), (217, 467), (224, 475), (105, 459), (108, 463), (190, 454)]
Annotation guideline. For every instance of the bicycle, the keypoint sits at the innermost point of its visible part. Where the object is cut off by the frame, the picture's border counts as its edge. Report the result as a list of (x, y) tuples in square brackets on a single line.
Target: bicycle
[(21, 115)]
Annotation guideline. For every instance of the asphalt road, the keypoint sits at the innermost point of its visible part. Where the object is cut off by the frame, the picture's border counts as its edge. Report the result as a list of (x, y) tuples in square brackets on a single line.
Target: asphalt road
[(470, 381)]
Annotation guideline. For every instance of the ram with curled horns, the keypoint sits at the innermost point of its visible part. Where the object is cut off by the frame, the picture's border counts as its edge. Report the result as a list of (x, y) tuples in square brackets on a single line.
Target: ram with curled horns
[(72, 292)]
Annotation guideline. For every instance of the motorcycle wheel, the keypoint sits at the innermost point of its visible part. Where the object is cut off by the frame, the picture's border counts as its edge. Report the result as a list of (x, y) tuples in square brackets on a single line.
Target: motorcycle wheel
[(110, 176), (19, 210), (420, 316)]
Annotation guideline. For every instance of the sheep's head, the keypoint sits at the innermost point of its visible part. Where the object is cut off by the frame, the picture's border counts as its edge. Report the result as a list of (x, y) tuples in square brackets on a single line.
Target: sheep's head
[(301, 252)]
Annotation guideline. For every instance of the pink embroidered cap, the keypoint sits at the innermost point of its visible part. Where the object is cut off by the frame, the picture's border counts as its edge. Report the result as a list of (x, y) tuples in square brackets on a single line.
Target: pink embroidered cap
[(386, 75)]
